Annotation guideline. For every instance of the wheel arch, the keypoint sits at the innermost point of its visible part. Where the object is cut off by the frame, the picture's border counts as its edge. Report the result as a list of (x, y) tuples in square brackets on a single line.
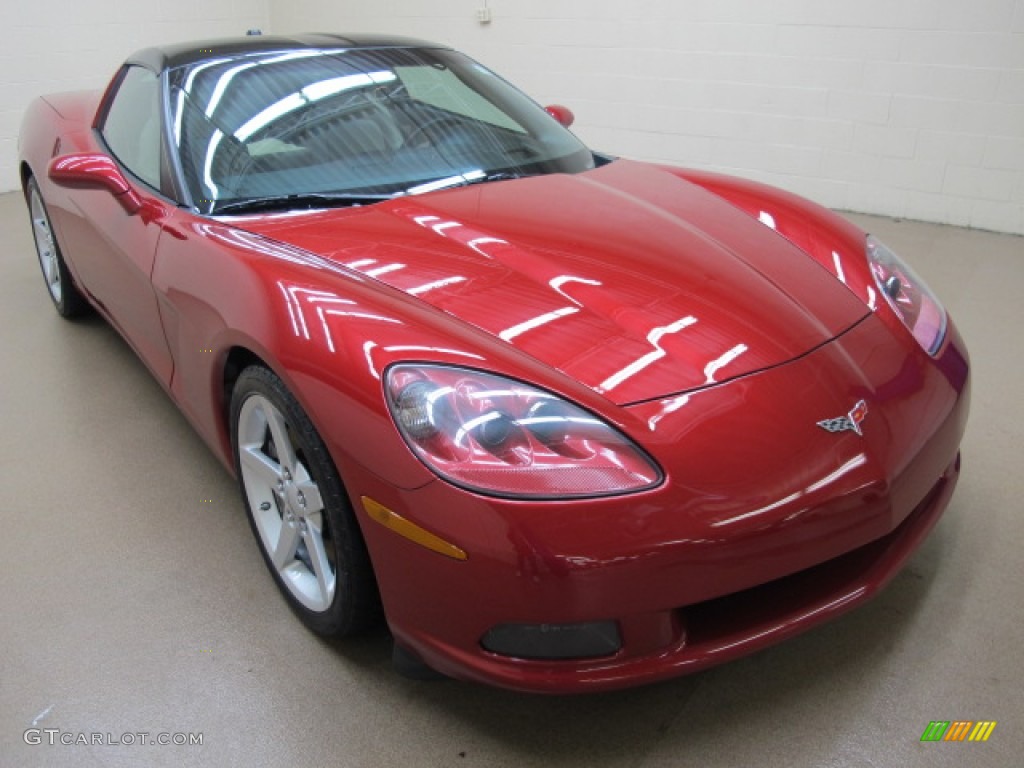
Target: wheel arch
[(238, 358), (25, 173)]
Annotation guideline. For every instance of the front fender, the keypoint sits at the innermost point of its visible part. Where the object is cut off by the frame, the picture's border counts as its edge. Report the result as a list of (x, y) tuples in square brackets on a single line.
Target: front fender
[(328, 332), (836, 243)]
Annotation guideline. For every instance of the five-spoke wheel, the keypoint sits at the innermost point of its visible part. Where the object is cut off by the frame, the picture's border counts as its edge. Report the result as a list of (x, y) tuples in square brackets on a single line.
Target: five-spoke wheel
[(297, 506), (286, 504)]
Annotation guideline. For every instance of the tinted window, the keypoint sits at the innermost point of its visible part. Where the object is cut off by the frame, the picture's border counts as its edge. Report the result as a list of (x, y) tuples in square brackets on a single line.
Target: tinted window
[(375, 122), (132, 125)]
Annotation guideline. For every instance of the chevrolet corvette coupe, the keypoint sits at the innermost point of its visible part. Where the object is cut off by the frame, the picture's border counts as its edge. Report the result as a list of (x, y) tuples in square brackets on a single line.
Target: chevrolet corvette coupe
[(567, 422)]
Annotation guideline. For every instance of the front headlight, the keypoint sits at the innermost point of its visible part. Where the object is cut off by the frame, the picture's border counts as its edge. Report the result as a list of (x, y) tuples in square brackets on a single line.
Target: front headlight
[(908, 295), (505, 438)]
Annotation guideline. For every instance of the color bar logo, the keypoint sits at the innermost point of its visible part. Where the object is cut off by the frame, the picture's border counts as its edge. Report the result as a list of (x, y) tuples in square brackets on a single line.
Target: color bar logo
[(958, 730)]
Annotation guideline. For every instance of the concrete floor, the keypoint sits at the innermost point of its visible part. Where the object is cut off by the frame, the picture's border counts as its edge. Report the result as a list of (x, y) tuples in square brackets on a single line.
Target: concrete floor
[(134, 599)]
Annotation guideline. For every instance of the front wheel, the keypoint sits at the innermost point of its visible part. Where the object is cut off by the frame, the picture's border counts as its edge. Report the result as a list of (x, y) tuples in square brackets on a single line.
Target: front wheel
[(298, 509)]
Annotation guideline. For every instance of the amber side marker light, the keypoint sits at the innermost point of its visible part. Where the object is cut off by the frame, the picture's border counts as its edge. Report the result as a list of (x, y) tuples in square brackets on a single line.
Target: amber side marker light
[(395, 522)]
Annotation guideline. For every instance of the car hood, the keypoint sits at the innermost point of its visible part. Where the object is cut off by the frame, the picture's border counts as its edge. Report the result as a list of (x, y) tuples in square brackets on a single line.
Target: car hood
[(627, 278)]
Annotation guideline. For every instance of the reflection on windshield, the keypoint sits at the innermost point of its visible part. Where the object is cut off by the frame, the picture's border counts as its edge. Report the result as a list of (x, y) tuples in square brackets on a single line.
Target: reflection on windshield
[(308, 95), (370, 122)]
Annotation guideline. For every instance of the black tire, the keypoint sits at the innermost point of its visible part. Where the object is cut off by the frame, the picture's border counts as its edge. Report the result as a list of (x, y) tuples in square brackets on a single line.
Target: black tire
[(66, 298), (281, 505), (410, 666)]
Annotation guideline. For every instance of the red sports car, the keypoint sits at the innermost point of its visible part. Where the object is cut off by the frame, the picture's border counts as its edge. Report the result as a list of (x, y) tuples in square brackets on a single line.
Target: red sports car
[(570, 422)]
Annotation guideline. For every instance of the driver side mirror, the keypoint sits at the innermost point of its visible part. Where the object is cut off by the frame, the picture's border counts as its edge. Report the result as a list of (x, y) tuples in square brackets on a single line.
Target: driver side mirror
[(93, 170), (562, 114)]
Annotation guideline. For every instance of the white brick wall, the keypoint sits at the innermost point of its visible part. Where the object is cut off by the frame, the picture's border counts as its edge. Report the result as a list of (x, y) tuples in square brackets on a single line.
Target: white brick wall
[(63, 45), (909, 108)]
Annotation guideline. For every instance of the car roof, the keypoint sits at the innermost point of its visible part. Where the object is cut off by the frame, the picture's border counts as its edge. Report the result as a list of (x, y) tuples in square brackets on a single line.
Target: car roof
[(183, 54)]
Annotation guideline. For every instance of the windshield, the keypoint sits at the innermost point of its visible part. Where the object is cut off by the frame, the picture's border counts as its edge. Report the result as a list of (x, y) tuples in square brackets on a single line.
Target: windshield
[(355, 125)]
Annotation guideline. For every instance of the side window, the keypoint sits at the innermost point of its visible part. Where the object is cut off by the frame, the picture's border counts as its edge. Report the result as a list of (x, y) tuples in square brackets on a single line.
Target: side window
[(132, 125)]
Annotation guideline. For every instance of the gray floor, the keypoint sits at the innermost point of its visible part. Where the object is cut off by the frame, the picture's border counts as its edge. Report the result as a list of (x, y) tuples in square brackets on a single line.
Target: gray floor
[(134, 600)]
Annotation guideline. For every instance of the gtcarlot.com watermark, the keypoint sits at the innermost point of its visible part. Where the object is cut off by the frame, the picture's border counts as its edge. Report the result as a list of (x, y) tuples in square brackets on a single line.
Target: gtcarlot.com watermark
[(55, 736)]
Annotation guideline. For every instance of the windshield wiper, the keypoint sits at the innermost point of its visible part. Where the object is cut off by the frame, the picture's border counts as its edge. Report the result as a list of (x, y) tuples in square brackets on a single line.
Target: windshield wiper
[(304, 200), (463, 180), (500, 176)]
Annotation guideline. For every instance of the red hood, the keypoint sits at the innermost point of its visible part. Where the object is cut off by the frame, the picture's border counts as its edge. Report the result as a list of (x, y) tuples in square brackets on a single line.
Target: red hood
[(627, 278)]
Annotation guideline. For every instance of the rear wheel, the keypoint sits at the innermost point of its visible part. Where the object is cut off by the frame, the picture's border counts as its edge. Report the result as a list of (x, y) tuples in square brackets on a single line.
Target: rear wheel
[(65, 296), (298, 509)]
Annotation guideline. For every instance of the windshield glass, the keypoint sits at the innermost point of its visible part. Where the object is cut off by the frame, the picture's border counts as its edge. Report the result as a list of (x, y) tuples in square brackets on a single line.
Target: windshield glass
[(356, 124)]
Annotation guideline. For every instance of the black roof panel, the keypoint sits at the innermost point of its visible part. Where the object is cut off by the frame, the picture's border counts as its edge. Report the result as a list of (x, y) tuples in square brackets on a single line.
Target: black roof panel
[(182, 54)]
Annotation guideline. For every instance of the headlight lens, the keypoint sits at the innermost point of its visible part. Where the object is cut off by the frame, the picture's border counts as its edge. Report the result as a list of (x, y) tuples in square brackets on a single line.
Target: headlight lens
[(505, 438), (908, 295)]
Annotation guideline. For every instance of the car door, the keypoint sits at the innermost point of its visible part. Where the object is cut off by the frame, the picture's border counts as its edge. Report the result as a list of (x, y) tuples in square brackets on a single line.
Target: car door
[(115, 250)]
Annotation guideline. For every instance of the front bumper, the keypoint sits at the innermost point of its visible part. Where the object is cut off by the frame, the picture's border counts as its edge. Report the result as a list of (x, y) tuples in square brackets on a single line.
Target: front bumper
[(765, 526)]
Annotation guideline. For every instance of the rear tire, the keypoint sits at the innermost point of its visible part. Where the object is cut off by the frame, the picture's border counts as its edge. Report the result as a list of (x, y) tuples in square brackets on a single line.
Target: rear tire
[(65, 296), (298, 509)]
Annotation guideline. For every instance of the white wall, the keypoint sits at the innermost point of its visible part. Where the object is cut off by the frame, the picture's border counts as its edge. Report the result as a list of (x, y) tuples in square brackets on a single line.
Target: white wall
[(63, 45), (910, 108)]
